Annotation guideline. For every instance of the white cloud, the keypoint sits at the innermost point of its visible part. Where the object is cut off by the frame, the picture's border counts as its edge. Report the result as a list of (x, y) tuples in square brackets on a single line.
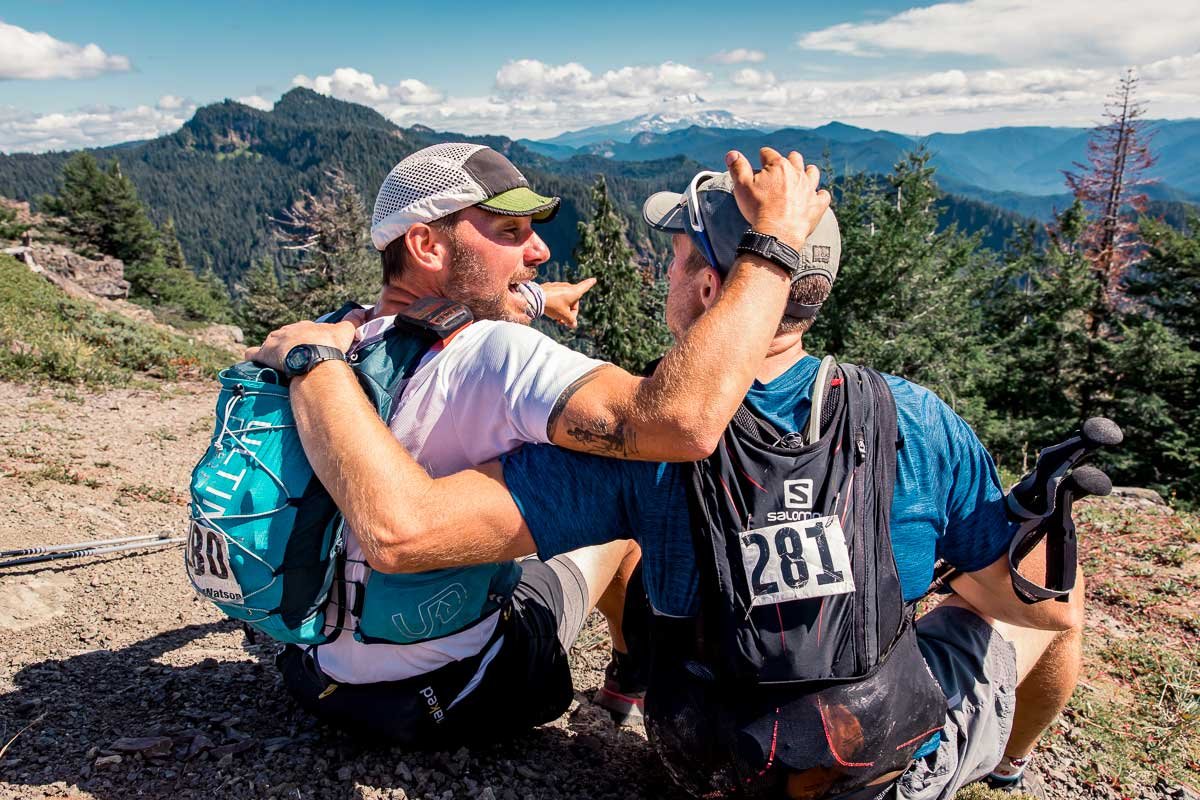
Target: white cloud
[(750, 78), (668, 77), (346, 83), (955, 100), (1173, 68), (739, 55), (39, 56), (24, 131), (528, 77), (170, 102), (256, 101), (413, 92), (1024, 31)]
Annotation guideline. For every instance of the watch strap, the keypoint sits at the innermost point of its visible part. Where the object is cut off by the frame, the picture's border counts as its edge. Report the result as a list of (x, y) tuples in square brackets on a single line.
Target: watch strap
[(323, 352), (787, 258), (768, 247), (316, 354), (801, 310)]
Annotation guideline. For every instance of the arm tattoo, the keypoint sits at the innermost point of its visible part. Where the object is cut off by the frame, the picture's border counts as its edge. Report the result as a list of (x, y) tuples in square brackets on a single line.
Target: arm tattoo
[(560, 405), (617, 440)]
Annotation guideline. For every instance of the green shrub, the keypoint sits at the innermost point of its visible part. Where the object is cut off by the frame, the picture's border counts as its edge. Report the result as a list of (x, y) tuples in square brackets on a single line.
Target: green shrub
[(45, 335)]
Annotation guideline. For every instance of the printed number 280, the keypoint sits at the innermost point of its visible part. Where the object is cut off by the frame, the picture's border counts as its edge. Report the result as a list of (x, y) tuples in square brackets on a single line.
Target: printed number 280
[(206, 551)]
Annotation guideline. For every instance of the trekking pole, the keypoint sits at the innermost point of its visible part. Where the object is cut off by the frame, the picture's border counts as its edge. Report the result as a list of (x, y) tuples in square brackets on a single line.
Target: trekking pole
[(1034, 503), (1034, 496), (58, 548), (1061, 546), (90, 551)]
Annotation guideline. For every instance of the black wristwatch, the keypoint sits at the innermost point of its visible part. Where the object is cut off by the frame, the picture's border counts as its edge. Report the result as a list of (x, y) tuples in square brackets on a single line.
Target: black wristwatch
[(303, 357), (773, 250)]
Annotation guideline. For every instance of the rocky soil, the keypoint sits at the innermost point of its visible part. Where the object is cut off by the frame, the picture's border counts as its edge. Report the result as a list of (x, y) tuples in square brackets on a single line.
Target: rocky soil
[(117, 682)]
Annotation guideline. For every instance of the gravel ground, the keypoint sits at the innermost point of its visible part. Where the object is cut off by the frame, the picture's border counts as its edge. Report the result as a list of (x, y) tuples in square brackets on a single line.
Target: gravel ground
[(116, 681), (122, 683)]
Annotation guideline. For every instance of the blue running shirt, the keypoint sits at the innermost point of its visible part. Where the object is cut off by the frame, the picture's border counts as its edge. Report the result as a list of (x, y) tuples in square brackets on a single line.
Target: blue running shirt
[(948, 502)]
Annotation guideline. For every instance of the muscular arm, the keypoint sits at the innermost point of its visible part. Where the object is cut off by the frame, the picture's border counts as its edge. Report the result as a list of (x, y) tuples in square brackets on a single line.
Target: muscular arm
[(405, 520), (679, 413)]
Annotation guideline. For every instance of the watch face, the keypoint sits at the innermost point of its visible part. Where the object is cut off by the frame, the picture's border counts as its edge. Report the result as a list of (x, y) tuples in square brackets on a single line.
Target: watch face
[(297, 358)]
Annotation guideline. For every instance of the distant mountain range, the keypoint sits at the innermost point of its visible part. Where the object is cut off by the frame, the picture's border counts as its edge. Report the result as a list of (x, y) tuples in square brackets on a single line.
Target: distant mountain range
[(1023, 160), (656, 122), (231, 168)]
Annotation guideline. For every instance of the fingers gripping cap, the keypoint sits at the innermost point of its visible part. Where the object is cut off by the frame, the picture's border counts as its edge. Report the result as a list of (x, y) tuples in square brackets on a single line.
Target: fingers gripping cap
[(437, 181), (724, 224)]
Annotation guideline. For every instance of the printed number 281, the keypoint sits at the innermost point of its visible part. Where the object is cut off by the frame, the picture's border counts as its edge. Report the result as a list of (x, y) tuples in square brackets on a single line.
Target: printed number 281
[(787, 562)]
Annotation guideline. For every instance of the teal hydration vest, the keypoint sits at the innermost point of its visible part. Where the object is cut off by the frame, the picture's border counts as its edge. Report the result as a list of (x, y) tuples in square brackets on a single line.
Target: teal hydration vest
[(266, 542)]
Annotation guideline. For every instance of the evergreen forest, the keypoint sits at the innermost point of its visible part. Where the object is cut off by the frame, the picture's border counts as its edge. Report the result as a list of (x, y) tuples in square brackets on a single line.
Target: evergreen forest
[(1024, 328)]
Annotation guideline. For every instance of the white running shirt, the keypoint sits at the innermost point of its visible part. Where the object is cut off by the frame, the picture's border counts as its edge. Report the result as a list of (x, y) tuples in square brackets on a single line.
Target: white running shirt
[(489, 390)]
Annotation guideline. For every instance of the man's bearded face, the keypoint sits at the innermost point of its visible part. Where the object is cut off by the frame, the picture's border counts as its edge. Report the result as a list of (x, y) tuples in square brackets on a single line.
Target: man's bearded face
[(490, 254)]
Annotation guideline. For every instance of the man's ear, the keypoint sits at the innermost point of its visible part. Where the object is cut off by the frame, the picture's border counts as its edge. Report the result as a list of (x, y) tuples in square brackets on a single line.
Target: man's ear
[(426, 248), (710, 286)]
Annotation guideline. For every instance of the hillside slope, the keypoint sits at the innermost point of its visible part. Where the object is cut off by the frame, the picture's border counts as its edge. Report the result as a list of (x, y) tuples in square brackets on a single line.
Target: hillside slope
[(47, 335)]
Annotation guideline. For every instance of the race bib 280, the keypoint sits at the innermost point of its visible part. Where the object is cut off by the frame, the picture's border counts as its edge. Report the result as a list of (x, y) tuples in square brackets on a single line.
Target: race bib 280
[(796, 561), (208, 565)]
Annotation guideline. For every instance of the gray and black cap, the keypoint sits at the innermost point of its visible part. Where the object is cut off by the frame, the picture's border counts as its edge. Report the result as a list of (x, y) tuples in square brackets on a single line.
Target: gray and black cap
[(448, 177), (724, 224)]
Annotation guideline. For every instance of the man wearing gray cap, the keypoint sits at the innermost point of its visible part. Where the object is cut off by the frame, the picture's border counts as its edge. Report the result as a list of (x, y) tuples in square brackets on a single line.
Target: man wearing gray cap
[(783, 568), (480, 651)]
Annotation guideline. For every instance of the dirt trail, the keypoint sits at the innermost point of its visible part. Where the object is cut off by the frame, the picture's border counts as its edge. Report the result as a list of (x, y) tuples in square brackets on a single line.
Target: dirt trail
[(118, 682), (136, 688)]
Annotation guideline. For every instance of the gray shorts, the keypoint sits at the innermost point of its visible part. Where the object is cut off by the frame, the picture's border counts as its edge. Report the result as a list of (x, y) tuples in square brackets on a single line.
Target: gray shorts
[(977, 670), (572, 610)]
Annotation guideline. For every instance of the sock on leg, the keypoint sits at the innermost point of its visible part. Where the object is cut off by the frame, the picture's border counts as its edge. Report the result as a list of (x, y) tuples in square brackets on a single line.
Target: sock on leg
[(1010, 769)]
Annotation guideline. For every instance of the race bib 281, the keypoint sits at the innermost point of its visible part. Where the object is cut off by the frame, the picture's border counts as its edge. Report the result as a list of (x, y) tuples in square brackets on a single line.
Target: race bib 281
[(796, 561)]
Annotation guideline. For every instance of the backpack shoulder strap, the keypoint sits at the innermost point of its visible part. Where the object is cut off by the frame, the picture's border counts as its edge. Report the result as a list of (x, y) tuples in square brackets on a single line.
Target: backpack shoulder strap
[(437, 317), (383, 367), (340, 314)]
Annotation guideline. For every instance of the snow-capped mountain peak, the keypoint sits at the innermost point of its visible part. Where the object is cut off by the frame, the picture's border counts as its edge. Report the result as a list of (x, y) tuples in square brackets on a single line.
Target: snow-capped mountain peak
[(677, 113)]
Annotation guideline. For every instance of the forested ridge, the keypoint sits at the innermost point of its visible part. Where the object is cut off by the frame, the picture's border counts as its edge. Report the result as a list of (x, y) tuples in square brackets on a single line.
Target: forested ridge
[(1024, 328), (231, 168)]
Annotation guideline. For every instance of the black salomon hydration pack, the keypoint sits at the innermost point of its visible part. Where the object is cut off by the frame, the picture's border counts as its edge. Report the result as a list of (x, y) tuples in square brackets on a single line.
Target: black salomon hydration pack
[(802, 670)]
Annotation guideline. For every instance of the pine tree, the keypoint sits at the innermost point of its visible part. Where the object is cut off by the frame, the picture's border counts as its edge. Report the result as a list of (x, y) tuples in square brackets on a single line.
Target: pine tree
[(172, 251), (1118, 155), (100, 211), (1168, 280), (1037, 315), (127, 233), (905, 300), (1159, 399), (331, 234), (614, 319), (78, 203), (263, 306)]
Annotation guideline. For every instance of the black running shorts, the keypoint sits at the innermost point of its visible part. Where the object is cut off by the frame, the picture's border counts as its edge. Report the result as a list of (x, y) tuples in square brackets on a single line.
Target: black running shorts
[(521, 680)]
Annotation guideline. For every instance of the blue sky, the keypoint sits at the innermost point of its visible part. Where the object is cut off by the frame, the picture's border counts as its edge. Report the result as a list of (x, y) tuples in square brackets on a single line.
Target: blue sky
[(75, 74)]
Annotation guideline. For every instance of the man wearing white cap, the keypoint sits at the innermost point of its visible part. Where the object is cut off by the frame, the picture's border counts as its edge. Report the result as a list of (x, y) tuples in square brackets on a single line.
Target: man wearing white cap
[(456, 221), (784, 565)]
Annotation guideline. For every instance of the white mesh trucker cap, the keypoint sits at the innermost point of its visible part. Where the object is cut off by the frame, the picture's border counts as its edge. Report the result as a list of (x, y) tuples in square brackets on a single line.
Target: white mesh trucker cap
[(448, 177)]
